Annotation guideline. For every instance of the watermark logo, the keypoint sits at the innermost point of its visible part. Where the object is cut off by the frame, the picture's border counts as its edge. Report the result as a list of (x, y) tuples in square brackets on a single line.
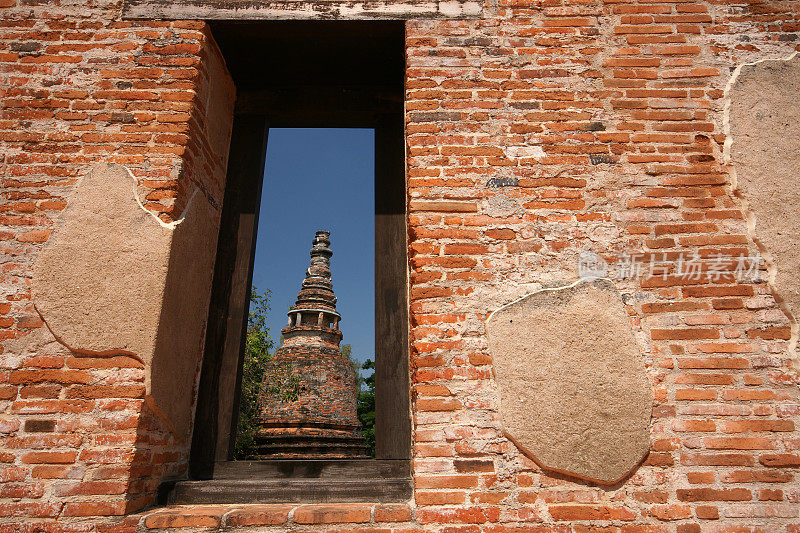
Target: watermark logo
[(591, 265), (689, 267)]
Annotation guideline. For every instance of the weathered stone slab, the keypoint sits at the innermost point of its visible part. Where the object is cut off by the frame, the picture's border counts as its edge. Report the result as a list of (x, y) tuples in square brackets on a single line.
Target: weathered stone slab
[(300, 9), (574, 394), (764, 122), (113, 279)]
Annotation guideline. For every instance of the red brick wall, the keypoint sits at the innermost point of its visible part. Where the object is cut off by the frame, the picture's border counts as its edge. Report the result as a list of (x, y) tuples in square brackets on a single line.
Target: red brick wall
[(624, 101), (79, 86), (638, 83)]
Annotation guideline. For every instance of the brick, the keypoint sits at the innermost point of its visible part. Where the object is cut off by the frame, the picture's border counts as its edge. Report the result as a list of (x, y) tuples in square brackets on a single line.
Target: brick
[(464, 515), (739, 443), (261, 515), (187, 518), (684, 334), (446, 482), (59, 376), (700, 477), (502, 234), (440, 498), (705, 379), (332, 514), (30, 509), (671, 512), (473, 465), (717, 459), (50, 457), (707, 512), (435, 404), (443, 206), (94, 508), (590, 512), (393, 513), (715, 362), (121, 361), (709, 494), (780, 460), (770, 333)]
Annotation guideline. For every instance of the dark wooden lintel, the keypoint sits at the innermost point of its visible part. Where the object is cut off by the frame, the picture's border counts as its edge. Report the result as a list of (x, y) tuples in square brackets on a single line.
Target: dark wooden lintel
[(320, 106)]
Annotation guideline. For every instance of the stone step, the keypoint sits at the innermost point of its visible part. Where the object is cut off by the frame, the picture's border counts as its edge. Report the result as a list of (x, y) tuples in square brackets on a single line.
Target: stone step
[(326, 469), (288, 490), (299, 481)]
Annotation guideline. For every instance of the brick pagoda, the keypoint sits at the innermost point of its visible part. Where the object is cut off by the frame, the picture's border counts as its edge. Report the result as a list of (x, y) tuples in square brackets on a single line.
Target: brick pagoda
[(307, 405)]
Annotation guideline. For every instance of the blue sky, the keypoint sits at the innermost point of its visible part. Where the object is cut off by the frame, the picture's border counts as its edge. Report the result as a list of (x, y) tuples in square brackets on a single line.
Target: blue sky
[(320, 179)]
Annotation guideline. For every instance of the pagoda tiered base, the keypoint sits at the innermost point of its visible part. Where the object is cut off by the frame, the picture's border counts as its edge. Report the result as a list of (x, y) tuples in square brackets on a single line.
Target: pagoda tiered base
[(309, 442)]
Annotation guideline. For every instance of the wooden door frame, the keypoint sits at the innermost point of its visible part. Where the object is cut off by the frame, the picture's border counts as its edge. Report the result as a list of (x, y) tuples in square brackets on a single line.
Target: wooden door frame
[(377, 107)]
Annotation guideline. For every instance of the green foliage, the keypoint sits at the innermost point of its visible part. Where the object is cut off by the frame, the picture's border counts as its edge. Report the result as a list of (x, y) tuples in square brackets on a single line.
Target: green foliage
[(347, 351), (366, 406), (258, 347)]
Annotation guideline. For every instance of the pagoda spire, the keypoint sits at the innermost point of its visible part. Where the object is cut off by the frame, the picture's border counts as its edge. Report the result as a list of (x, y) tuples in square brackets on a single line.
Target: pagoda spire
[(316, 300), (315, 307), (317, 288)]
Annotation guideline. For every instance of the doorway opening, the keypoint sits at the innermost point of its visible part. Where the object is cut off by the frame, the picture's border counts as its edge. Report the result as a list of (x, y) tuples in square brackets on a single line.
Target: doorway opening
[(309, 74)]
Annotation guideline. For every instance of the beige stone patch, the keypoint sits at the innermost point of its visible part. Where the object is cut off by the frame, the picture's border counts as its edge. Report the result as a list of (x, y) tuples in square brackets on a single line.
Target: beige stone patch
[(113, 279), (99, 281), (574, 393), (764, 135)]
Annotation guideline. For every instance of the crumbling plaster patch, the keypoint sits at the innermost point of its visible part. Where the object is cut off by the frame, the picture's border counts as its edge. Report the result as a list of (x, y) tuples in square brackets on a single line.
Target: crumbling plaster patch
[(574, 393), (761, 122), (113, 279)]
